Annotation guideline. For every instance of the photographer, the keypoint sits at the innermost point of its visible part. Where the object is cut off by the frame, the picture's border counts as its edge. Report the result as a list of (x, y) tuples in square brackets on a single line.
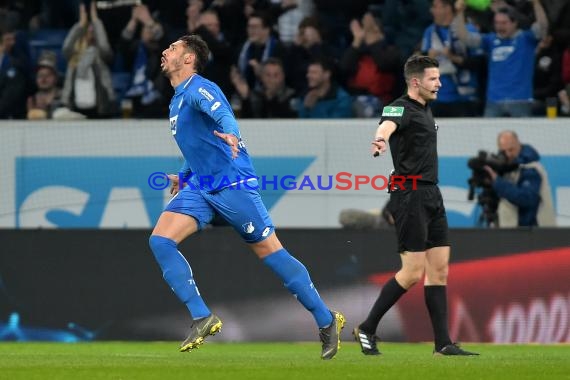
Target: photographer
[(524, 193)]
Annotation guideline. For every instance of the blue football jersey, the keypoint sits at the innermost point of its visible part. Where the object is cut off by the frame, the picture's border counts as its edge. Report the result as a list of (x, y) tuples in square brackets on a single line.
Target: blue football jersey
[(511, 66), (197, 109)]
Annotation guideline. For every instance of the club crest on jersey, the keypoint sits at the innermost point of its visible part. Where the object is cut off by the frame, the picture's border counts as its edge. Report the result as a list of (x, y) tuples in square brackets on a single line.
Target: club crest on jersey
[(173, 121), (205, 94), (248, 228), (392, 111)]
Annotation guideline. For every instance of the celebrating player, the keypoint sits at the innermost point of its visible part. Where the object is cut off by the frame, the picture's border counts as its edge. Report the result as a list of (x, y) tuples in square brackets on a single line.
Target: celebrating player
[(207, 133)]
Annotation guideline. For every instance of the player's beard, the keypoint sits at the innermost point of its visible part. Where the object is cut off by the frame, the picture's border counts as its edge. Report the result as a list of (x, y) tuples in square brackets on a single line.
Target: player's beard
[(164, 70), (169, 67)]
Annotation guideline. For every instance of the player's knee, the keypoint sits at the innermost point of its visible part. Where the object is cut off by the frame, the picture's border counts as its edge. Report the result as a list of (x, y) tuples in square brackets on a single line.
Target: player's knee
[(415, 278), (160, 245), (439, 276), (408, 278)]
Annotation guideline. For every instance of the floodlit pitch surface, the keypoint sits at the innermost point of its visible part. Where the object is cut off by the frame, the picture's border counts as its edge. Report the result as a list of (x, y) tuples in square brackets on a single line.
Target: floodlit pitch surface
[(235, 361)]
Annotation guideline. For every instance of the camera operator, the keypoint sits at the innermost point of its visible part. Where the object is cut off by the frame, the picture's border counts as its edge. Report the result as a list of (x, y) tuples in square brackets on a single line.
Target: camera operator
[(525, 197)]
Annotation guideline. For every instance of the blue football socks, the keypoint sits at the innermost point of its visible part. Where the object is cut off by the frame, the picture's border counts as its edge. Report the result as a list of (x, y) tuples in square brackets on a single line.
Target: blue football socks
[(296, 279), (178, 274)]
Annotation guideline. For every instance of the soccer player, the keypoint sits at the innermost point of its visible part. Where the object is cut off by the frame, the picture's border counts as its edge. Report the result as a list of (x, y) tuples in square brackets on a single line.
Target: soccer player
[(419, 215), (207, 133)]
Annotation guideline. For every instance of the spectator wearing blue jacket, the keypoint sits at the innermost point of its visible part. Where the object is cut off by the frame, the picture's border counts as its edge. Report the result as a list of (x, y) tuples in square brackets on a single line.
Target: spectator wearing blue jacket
[(525, 195), (325, 98)]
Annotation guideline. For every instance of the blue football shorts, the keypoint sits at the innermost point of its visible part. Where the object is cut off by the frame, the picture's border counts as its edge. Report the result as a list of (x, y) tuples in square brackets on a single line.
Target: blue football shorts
[(241, 207)]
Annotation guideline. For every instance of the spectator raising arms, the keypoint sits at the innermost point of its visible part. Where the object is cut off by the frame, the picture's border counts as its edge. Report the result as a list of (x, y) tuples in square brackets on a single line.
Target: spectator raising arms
[(511, 53), (88, 88), (142, 45), (370, 64), (458, 94), (273, 100)]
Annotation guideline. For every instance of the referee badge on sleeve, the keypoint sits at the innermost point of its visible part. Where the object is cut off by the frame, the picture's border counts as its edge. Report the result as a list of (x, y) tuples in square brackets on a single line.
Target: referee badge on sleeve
[(393, 111)]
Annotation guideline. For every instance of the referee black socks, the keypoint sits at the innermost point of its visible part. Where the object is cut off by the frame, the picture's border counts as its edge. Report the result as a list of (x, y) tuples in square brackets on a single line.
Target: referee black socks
[(436, 302), (389, 295)]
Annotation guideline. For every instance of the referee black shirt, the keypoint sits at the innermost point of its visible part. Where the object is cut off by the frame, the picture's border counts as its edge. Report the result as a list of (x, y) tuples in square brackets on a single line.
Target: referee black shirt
[(413, 144)]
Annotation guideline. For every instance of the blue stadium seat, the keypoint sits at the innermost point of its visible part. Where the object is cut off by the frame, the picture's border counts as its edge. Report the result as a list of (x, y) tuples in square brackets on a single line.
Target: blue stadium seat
[(54, 36), (121, 83), (48, 39)]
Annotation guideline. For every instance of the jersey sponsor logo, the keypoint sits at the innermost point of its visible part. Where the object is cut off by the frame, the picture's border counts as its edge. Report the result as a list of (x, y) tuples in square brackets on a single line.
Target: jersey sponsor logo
[(502, 53), (173, 121), (265, 231), (248, 227), (205, 94), (215, 106), (393, 111)]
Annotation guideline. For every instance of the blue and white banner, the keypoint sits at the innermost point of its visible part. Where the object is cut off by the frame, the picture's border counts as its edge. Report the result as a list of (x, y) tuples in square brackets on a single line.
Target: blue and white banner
[(103, 174)]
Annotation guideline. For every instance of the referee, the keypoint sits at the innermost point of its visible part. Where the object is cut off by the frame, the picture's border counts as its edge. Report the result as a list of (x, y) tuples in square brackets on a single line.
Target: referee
[(421, 223)]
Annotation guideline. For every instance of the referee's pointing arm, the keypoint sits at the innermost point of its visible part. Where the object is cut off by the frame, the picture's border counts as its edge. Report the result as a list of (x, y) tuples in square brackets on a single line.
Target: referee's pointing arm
[(383, 133)]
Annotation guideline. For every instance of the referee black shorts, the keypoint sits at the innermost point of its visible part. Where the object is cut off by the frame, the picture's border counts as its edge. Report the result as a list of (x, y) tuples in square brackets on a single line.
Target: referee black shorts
[(419, 215)]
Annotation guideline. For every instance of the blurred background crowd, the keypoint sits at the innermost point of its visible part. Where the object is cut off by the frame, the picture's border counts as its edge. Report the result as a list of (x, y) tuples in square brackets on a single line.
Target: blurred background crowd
[(74, 59)]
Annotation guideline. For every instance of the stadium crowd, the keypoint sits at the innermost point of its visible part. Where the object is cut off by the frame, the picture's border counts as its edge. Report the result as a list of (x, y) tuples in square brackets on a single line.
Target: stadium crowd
[(74, 59)]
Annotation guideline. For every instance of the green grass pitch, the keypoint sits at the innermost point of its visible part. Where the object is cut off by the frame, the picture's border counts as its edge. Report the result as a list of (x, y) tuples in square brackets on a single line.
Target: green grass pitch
[(291, 361)]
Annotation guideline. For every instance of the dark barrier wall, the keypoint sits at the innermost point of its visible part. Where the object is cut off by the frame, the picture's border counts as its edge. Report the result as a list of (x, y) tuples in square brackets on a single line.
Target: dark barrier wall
[(105, 284)]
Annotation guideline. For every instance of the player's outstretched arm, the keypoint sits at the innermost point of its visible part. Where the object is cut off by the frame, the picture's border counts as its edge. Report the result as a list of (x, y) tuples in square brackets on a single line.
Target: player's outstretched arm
[(383, 133), (231, 140)]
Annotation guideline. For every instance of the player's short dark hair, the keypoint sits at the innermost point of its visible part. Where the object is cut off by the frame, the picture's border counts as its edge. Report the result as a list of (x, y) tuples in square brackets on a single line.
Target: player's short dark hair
[(310, 21), (211, 11), (195, 43), (416, 64), (273, 61), (326, 63), (449, 3), (265, 18), (510, 13)]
